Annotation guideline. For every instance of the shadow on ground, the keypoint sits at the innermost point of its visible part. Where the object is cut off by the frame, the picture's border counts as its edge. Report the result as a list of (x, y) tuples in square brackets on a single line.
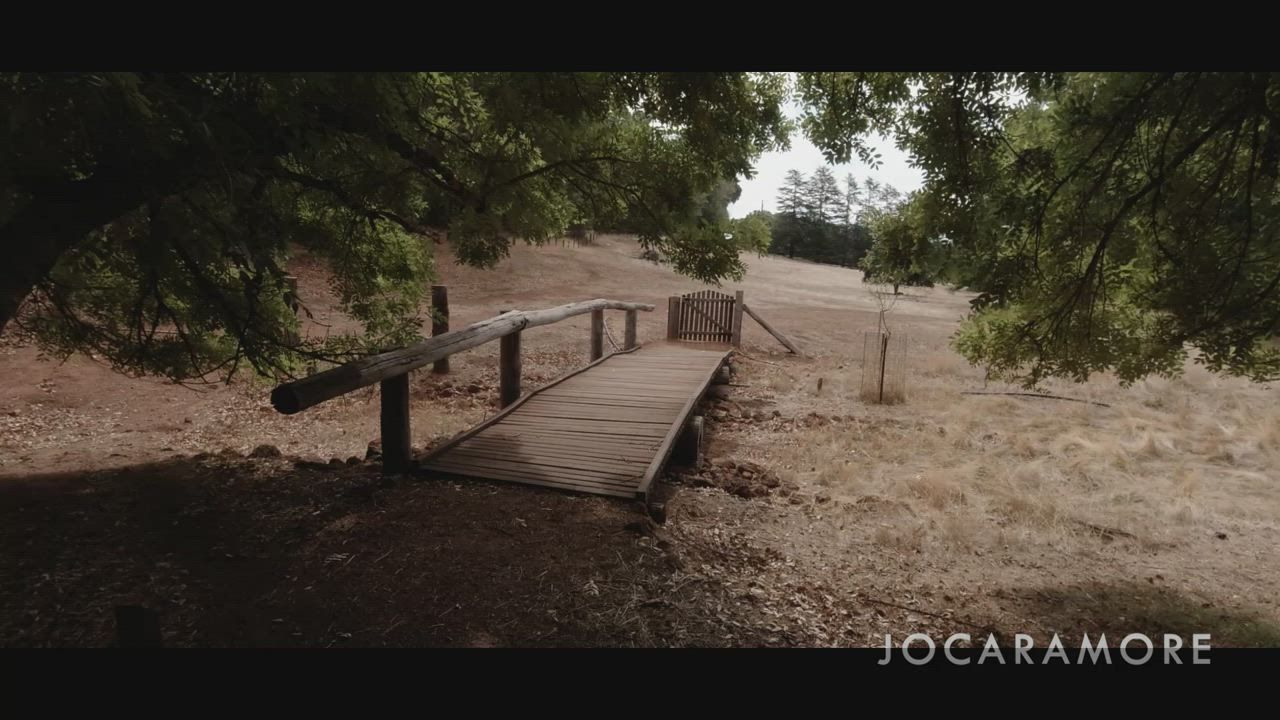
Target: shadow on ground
[(1120, 609), (238, 552)]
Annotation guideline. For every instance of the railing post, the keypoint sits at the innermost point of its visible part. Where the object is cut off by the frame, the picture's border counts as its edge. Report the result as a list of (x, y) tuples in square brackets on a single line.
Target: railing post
[(630, 338), (440, 322), (395, 424), (737, 318), (673, 317), (597, 334), (509, 368)]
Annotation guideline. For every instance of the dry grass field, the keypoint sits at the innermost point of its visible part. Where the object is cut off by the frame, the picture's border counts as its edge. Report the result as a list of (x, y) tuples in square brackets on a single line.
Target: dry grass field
[(948, 512)]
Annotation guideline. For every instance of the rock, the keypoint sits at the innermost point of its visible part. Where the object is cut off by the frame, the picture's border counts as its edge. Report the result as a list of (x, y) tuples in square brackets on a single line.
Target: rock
[(228, 453), (658, 511), (777, 414), (1221, 536), (374, 451), (335, 461), (643, 526), (353, 460), (266, 451), (474, 388)]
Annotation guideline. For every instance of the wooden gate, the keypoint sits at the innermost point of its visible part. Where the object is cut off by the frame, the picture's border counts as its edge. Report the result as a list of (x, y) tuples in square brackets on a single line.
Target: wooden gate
[(705, 316)]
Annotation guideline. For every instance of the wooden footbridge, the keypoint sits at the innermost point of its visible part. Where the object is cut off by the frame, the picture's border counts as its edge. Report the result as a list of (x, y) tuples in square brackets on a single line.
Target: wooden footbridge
[(607, 428)]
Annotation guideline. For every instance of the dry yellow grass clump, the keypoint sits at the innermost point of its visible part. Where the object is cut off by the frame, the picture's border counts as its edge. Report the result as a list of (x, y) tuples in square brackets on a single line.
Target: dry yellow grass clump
[(972, 471)]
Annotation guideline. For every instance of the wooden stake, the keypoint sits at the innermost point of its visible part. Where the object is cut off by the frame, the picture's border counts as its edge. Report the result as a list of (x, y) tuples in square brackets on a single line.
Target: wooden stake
[(884, 352), (673, 317)]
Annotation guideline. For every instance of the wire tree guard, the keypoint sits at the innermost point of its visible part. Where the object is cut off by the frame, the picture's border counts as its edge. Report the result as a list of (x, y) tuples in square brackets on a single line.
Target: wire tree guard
[(884, 356)]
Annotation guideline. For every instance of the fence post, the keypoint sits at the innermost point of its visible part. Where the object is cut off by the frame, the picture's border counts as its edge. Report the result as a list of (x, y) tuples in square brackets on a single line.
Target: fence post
[(629, 340), (737, 318), (673, 317), (440, 322), (509, 368), (597, 334), (395, 424)]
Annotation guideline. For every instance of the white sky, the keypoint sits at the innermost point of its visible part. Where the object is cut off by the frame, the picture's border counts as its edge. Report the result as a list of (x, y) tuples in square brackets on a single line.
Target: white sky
[(772, 167)]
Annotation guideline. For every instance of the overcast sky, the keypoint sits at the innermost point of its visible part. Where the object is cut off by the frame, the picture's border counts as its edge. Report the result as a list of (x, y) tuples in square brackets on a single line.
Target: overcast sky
[(772, 169)]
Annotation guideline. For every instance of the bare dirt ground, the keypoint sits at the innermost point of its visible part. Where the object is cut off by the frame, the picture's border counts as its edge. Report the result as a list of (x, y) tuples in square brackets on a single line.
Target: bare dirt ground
[(816, 520)]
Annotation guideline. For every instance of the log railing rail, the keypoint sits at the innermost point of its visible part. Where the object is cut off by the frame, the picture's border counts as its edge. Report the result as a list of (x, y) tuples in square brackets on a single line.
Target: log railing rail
[(391, 369)]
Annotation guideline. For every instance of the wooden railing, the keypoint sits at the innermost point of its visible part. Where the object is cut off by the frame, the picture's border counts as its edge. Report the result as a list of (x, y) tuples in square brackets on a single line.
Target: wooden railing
[(391, 369)]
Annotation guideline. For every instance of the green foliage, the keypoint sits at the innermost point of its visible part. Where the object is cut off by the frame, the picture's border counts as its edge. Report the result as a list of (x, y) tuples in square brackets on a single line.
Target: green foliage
[(753, 233), (902, 253), (153, 213), (1112, 222), (815, 219)]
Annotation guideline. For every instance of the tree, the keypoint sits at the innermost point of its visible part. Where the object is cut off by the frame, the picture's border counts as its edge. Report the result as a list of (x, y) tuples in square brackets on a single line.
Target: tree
[(823, 199), (788, 227), (791, 195), (1111, 220), (753, 233), (148, 217), (813, 219), (852, 199), (901, 252)]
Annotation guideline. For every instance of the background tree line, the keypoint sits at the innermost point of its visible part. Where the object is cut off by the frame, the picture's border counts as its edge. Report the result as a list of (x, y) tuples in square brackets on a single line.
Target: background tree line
[(869, 225)]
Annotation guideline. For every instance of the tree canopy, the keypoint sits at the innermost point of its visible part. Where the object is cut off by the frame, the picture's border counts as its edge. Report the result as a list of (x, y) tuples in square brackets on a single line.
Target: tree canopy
[(151, 213), (1110, 220), (902, 250)]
